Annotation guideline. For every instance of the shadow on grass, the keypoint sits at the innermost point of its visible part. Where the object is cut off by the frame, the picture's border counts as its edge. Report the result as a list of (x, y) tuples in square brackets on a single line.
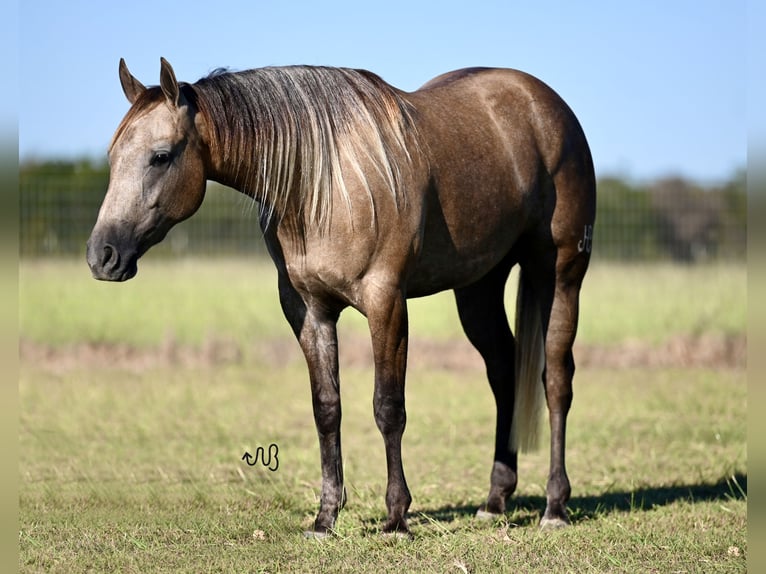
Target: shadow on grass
[(526, 510)]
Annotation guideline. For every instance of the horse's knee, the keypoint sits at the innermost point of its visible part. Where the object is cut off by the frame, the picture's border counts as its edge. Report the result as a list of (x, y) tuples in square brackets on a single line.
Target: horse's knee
[(327, 412), (390, 414)]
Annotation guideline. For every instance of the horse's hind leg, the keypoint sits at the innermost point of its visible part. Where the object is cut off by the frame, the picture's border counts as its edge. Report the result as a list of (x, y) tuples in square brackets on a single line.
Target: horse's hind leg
[(559, 316), (482, 314), (558, 289)]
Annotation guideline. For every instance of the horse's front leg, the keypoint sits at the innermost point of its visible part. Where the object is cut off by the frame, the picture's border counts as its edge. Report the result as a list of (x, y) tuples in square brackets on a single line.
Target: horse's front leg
[(387, 317), (315, 328)]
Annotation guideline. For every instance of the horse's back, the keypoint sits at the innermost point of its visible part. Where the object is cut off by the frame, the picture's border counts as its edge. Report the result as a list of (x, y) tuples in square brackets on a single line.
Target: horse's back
[(449, 77)]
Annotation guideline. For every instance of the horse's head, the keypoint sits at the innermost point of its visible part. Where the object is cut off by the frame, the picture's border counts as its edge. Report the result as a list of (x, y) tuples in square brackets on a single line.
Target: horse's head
[(157, 175)]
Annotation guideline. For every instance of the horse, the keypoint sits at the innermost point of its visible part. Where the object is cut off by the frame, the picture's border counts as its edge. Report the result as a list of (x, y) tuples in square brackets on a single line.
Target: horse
[(368, 196)]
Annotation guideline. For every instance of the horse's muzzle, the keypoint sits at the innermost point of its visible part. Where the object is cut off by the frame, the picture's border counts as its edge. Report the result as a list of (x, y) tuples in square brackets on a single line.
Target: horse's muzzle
[(111, 260)]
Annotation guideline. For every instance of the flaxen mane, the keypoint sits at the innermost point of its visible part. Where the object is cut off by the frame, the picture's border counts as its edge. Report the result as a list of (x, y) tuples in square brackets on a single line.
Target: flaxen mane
[(287, 131)]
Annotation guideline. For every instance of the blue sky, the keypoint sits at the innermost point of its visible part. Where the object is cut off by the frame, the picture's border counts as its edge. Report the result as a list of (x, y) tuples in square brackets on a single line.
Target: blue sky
[(659, 86)]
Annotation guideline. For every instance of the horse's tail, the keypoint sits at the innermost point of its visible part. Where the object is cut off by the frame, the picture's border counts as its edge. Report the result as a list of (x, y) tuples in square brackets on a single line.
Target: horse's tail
[(530, 361)]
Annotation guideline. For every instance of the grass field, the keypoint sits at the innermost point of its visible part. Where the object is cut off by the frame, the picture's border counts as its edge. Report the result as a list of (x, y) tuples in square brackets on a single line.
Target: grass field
[(192, 300), (139, 468)]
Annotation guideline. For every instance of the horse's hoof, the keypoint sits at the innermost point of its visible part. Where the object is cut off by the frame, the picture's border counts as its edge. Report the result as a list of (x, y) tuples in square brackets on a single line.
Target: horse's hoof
[(316, 535), (487, 516), (397, 535), (553, 523)]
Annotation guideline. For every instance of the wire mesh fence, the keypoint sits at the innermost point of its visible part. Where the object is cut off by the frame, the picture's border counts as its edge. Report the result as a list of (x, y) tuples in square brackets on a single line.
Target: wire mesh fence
[(671, 219), (57, 213)]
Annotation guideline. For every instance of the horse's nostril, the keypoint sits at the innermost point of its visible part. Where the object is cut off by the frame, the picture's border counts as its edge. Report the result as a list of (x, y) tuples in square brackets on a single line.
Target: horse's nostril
[(111, 257)]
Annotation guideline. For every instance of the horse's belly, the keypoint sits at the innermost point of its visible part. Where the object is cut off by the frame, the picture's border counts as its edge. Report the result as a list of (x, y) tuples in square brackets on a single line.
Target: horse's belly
[(448, 262)]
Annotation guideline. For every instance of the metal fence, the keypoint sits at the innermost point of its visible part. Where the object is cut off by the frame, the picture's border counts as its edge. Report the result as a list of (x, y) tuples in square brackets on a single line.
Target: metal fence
[(58, 212), (672, 219), (669, 220)]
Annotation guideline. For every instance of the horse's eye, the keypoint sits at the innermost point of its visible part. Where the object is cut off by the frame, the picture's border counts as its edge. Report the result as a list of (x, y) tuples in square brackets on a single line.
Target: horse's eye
[(160, 158)]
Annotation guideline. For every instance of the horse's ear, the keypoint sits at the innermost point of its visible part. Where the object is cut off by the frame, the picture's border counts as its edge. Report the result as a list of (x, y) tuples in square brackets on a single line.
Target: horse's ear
[(132, 87), (168, 83)]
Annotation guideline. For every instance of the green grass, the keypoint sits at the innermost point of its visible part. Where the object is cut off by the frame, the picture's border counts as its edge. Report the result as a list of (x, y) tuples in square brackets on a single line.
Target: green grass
[(142, 472), (655, 301), (138, 468), (191, 301)]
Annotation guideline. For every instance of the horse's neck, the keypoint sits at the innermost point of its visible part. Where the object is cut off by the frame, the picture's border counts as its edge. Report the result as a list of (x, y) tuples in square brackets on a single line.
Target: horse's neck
[(228, 171)]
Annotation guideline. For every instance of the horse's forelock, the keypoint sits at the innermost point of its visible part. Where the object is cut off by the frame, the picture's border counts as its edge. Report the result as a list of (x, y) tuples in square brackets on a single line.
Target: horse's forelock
[(146, 101)]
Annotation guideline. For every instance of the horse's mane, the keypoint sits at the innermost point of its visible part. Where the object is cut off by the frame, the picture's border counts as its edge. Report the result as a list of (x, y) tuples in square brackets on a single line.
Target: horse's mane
[(283, 134)]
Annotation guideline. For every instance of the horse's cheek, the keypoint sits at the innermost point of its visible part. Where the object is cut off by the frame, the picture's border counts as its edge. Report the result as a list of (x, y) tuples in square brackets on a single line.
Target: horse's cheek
[(188, 195)]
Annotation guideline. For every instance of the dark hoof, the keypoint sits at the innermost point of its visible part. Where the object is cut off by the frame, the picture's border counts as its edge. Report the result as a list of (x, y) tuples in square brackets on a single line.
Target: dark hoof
[(397, 535), (486, 516), (553, 523), (397, 529), (316, 535)]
